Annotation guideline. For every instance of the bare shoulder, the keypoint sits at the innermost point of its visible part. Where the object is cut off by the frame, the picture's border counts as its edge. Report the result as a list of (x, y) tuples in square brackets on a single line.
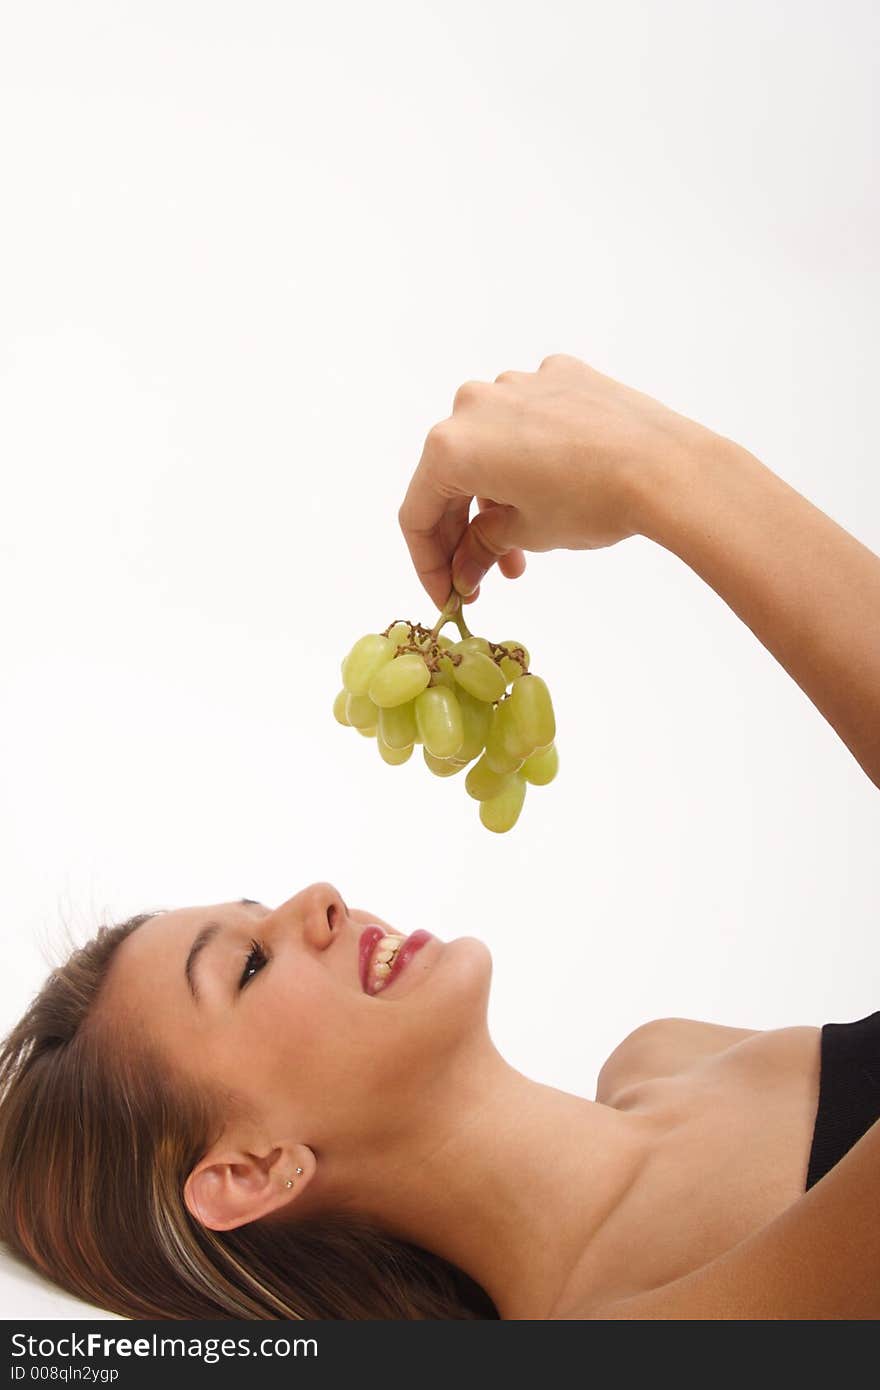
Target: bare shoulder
[(663, 1047), (818, 1259)]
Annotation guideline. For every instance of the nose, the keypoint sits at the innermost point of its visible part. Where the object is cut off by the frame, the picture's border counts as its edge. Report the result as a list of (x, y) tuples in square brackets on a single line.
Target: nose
[(320, 911)]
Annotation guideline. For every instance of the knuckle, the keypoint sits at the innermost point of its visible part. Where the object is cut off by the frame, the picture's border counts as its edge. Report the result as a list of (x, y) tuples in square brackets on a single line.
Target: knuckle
[(469, 393), (439, 443), (508, 378), (557, 359)]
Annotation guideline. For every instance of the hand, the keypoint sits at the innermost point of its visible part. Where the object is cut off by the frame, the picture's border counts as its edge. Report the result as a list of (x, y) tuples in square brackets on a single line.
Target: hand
[(557, 459)]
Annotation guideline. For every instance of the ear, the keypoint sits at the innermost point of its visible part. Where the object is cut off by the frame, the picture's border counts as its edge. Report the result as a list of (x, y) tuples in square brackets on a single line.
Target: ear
[(230, 1187)]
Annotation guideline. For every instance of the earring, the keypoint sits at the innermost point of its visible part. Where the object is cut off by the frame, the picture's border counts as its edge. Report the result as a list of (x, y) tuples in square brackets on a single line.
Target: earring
[(290, 1181)]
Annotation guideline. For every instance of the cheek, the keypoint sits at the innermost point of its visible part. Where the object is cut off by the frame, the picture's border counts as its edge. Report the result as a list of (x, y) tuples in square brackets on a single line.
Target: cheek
[(310, 1031), (320, 1055)]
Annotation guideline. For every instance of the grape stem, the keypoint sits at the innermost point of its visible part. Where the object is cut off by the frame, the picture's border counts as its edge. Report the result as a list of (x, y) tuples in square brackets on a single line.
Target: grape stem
[(451, 613)]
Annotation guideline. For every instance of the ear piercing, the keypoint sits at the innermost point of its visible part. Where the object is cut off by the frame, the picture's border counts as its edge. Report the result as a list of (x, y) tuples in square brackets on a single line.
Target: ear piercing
[(290, 1181)]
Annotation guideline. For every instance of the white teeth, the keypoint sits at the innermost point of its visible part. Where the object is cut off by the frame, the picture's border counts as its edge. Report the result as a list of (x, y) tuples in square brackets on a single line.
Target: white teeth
[(384, 956)]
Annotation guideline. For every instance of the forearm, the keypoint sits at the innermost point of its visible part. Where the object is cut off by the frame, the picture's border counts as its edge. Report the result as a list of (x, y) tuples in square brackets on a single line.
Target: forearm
[(807, 589)]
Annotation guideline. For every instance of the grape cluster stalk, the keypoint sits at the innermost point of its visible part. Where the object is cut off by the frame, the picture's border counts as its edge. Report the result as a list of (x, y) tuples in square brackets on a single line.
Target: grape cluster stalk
[(469, 701)]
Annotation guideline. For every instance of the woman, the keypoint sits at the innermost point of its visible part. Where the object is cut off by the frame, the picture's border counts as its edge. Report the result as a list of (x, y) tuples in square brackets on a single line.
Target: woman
[(208, 1112)]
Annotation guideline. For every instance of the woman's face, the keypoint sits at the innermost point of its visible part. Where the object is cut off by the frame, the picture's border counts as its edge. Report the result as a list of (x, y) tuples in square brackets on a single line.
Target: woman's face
[(289, 1025)]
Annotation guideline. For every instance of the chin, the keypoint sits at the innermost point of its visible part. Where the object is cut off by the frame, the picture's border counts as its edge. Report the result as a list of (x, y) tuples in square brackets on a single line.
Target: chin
[(462, 978), (469, 955), (476, 951)]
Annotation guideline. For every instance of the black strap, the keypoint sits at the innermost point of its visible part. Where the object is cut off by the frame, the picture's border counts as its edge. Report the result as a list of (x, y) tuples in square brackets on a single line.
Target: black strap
[(849, 1091)]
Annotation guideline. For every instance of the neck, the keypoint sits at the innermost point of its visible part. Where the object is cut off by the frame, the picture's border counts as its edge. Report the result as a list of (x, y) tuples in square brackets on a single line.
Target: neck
[(505, 1178)]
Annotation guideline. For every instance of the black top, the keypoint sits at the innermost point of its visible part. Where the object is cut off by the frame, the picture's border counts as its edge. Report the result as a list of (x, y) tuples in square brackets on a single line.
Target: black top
[(849, 1091)]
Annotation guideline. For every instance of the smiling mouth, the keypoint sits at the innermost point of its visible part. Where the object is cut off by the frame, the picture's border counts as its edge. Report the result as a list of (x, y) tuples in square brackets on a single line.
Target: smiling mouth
[(384, 954), (382, 962)]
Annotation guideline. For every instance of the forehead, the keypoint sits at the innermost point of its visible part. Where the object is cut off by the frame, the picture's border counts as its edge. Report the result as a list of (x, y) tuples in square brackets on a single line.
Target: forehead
[(170, 933), (147, 978)]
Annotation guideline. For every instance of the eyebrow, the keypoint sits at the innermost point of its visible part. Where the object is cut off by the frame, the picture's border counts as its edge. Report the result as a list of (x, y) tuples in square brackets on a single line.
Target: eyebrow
[(202, 939)]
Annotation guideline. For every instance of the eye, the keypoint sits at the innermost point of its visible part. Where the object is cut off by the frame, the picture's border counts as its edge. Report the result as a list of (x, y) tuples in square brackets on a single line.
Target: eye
[(255, 960)]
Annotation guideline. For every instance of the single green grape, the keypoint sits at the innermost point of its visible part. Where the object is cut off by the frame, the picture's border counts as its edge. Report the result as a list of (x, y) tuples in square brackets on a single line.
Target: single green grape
[(339, 708), (393, 756), (439, 722), (400, 635), (479, 676), (397, 725), (361, 712), (445, 674), (501, 813), (542, 766), (399, 680), (445, 642), (443, 767), (482, 783), (473, 644), (531, 714), (511, 667), (501, 755), (368, 655), (476, 716), (512, 646)]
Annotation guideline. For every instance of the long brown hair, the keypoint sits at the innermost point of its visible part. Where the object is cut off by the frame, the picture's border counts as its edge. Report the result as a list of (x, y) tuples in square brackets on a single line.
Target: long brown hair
[(96, 1142)]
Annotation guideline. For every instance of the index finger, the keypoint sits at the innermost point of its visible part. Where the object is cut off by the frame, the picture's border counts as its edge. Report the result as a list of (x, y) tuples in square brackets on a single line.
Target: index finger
[(433, 518)]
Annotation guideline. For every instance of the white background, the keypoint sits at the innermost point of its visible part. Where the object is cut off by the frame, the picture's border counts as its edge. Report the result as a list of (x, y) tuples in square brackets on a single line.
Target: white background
[(248, 253)]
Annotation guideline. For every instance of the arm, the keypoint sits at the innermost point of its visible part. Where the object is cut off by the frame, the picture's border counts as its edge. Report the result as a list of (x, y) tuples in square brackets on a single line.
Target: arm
[(568, 458), (806, 588), (819, 1259)]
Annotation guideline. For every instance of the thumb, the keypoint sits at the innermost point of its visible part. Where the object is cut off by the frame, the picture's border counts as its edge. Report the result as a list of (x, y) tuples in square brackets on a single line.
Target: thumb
[(489, 536)]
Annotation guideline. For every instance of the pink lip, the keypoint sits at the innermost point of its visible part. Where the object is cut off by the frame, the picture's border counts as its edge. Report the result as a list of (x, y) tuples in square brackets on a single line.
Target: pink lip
[(411, 947), (369, 937)]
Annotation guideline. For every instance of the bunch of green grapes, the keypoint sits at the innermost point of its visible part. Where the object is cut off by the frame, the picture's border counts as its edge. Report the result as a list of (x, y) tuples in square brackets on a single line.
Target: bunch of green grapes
[(410, 684)]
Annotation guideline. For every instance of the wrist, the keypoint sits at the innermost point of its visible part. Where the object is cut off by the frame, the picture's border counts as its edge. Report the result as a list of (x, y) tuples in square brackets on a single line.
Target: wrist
[(672, 491)]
